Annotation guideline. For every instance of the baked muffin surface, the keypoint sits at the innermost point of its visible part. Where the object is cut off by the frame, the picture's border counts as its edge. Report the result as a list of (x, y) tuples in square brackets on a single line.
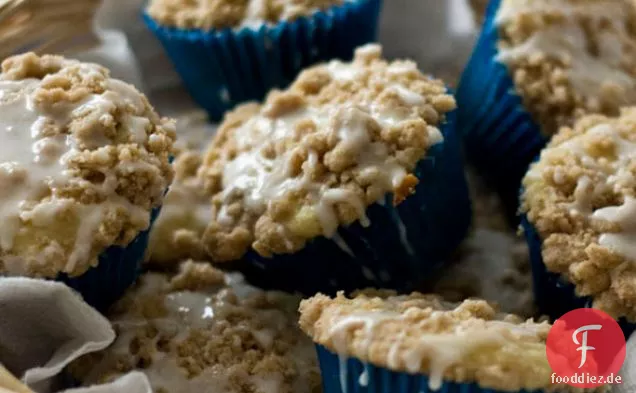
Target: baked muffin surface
[(84, 160), (317, 155), (569, 58), (422, 334), (580, 197)]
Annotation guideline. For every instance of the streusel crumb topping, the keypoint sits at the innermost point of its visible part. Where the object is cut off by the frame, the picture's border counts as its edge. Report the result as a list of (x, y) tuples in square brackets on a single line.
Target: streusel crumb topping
[(203, 331), (315, 156), (569, 57), (186, 212), (83, 161), (416, 333), (219, 14), (581, 198)]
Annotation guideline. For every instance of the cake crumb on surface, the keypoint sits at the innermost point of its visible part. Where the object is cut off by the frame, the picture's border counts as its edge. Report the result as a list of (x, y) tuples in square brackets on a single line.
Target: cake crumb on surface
[(200, 329), (84, 161)]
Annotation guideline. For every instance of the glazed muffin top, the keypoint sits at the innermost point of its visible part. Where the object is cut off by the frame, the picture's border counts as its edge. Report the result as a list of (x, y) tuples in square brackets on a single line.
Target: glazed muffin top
[(465, 342), (199, 329), (317, 155), (569, 57), (581, 198), (84, 159), (220, 14)]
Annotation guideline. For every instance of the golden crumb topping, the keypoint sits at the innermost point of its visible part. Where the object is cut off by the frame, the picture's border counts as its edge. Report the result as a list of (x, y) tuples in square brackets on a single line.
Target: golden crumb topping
[(467, 342), (581, 198), (185, 214), (204, 331), (219, 14), (569, 57), (83, 161), (315, 156)]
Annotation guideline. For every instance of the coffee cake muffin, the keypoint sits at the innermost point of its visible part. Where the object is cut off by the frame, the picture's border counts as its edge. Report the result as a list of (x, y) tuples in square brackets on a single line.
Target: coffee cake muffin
[(229, 51), (378, 342), (83, 170), (579, 208), (540, 65), (185, 214), (202, 331), (352, 176)]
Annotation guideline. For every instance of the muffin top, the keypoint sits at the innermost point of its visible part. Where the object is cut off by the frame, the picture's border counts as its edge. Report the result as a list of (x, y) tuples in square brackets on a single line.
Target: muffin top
[(201, 328), (581, 198), (220, 14), (317, 155), (416, 333), (83, 160), (569, 57)]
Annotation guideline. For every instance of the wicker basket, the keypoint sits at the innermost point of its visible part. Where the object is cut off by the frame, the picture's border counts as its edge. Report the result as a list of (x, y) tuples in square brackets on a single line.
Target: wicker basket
[(46, 26)]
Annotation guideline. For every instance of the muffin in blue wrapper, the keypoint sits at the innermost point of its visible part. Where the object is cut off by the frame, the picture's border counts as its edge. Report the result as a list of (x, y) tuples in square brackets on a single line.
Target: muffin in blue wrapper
[(378, 342), (538, 66), (235, 54), (352, 177), (84, 170), (577, 208)]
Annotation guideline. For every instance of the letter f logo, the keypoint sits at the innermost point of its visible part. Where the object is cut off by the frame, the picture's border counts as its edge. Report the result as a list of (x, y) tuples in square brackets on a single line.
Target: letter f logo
[(584, 347)]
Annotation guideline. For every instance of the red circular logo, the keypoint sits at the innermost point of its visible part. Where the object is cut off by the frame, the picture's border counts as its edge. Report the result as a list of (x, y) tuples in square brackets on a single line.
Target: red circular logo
[(586, 349)]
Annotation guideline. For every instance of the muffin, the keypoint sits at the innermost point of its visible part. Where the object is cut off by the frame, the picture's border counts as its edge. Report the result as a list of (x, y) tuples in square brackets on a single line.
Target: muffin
[(176, 234), (200, 330), (83, 182), (378, 342), (185, 214), (578, 207), (540, 65), (353, 176), (229, 51)]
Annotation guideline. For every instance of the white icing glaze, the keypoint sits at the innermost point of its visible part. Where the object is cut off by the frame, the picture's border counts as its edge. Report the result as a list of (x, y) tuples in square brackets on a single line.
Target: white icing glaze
[(624, 241), (588, 73), (189, 310), (33, 164), (260, 179), (442, 350)]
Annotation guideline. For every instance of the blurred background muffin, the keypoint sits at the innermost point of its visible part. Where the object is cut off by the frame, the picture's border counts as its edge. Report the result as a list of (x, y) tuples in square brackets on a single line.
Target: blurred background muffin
[(228, 52)]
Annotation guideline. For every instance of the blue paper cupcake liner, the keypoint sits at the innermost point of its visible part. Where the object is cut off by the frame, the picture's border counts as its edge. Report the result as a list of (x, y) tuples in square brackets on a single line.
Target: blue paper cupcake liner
[(118, 268), (500, 136), (222, 68), (553, 295), (350, 375), (400, 249)]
